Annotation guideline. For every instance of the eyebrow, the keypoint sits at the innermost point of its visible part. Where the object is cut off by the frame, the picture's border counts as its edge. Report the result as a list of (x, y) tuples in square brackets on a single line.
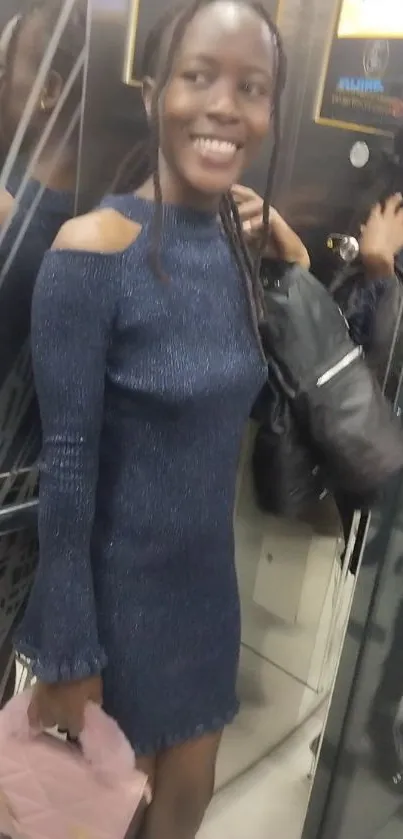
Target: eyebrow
[(208, 59)]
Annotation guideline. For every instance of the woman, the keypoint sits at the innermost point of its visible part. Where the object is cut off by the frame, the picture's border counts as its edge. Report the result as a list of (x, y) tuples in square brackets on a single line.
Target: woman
[(147, 361), (371, 298)]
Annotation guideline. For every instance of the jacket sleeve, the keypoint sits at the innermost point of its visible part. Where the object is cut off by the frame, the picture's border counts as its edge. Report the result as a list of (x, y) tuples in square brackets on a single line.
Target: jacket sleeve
[(362, 316), (72, 317), (372, 309)]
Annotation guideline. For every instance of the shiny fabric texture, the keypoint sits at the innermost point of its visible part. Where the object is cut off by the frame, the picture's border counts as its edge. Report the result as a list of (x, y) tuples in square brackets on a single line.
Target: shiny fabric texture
[(145, 387)]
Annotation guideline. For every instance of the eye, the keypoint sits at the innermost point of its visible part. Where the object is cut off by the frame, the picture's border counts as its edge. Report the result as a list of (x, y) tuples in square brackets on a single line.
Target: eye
[(255, 89), (199, 78)]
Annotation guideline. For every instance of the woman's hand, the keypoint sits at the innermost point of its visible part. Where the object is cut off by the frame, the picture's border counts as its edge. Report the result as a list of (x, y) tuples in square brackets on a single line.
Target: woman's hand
[(284, 244), (382, 237), (63, 704)]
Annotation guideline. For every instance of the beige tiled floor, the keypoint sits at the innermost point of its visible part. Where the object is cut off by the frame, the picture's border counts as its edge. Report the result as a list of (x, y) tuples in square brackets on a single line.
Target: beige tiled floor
[(272, 706), (270, 800)]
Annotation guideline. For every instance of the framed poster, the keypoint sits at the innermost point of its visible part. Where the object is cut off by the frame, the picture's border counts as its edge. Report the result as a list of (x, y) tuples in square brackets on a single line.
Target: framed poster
[(362, 83), (142, 16)]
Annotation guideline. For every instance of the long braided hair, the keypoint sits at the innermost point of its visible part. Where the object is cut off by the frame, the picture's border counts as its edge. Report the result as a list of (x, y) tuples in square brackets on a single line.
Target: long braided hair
[(142, 161)]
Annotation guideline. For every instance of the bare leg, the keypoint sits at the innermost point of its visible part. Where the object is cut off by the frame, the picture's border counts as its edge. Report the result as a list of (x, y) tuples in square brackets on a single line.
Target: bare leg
[(184, 786), (148, 766)]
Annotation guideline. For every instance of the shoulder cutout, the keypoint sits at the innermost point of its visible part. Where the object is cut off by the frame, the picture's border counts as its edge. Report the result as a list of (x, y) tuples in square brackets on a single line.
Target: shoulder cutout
[(101, 231), (7, 205)]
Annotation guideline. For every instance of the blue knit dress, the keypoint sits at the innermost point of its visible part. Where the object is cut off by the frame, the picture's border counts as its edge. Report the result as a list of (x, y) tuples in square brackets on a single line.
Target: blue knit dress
[(145, 387)]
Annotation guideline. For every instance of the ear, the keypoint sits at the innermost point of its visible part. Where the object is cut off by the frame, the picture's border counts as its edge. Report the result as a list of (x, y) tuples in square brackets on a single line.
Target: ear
[(51, 91), (148, 87)]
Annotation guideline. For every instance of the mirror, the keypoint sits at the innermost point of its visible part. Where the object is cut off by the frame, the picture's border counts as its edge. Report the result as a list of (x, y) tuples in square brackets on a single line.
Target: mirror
[(42, 56)]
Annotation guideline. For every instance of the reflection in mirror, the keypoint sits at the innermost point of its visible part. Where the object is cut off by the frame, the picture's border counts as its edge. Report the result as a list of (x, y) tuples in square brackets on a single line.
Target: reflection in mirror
[(41, 84), (41, 62)]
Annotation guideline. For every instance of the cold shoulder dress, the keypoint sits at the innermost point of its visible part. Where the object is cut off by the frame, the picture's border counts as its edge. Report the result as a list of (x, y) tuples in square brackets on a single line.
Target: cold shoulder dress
[(145, 387)]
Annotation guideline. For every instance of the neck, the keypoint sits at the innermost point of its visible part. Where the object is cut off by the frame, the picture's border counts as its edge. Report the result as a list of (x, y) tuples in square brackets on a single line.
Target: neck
[(175, 192), (60, 176)]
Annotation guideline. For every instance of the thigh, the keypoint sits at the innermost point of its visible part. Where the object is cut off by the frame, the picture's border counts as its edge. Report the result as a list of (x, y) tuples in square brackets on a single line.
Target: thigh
[(184, 786), (148, 766)]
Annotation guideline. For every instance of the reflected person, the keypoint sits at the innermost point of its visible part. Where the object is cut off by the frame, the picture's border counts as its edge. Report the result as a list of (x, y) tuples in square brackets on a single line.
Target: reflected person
[(371, 299), (147, 362), (23, 45)]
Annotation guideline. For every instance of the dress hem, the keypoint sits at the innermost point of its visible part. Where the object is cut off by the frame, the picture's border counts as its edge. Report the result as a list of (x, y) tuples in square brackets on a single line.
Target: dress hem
[(167, 741)]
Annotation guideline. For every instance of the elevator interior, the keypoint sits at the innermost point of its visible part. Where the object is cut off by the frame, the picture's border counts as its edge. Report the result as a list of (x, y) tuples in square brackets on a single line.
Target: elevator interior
[(295, 593)]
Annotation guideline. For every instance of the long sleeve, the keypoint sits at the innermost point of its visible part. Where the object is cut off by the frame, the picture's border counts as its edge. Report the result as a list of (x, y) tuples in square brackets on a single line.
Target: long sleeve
[(372, 309), (360, 305), (72, 317)]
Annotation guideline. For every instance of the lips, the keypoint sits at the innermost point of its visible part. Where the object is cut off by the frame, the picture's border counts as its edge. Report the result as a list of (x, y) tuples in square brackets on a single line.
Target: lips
[(215, 150)]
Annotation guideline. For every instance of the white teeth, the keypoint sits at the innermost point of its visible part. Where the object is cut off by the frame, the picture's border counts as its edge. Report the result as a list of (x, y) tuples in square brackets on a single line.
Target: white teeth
[(222, 148)]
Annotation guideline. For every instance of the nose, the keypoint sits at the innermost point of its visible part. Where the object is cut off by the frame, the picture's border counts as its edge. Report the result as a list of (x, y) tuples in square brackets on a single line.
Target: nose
[(223, 105)]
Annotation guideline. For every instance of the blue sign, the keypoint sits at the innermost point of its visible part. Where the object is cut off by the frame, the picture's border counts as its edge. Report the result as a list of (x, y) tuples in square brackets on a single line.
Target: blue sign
[(360, 85)]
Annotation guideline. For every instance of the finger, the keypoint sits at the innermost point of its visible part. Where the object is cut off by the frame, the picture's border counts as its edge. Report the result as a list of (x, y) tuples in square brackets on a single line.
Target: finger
[(253, 226), (375, 214), (243, 193), (34, 717), (393, 204), (274, 215), (250, 209), (41, 715), (74, 729), (74, 723)]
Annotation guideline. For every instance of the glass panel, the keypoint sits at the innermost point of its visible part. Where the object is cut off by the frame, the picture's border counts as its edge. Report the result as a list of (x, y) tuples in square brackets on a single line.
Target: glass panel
[(42, 56)]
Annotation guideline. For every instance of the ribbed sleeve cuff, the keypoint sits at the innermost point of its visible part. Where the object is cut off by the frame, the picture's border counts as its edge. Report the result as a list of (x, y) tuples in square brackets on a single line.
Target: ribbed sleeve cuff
[(88, 663)]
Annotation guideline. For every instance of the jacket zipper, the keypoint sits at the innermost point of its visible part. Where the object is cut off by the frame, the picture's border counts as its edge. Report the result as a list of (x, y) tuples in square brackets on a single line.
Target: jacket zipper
[(348, 359)]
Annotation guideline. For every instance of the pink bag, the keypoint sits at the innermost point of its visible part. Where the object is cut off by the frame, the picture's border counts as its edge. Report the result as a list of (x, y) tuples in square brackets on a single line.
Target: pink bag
[(51, 790)]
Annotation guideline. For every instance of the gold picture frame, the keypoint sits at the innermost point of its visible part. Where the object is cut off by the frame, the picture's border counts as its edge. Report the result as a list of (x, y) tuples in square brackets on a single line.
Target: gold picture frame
[(130, 46), (334, 123)]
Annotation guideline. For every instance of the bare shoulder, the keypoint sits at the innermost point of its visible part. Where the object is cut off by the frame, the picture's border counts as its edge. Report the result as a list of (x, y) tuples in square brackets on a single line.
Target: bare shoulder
[(100, 231), (7, 204)]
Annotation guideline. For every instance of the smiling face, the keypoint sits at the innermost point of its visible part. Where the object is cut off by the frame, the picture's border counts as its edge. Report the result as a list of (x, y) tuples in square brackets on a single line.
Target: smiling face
[(215, 110)]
